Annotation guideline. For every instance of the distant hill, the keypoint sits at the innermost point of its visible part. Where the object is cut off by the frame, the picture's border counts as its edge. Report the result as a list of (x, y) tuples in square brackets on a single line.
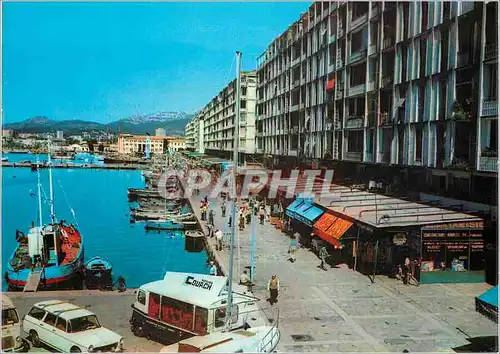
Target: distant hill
[(172, 122)]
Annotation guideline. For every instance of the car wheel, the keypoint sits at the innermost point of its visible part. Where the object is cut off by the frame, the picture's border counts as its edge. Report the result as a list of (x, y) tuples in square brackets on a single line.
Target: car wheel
[(26, 346), (75, 350), (35, 340)]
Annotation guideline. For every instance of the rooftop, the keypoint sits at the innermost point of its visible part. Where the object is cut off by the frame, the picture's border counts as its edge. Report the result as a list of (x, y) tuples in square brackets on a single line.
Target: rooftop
[(63, 309)]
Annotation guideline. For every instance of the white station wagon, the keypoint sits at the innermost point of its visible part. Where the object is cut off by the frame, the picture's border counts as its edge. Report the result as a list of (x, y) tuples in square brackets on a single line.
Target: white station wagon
[(68, 328)]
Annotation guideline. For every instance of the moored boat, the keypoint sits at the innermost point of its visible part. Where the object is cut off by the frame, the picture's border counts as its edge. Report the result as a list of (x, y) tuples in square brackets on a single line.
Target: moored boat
[(50, 255), (98, 273)]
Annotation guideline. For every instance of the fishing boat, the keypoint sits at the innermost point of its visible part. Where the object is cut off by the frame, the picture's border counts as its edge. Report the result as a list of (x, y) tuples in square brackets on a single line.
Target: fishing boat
[(164, 226), (98, 273), (50, 255), (5, 159)]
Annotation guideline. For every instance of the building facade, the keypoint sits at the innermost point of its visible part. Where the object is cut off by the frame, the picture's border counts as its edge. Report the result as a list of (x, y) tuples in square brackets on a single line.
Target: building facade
[(160, 132), (409, 85), (212, 129), (133, 144)]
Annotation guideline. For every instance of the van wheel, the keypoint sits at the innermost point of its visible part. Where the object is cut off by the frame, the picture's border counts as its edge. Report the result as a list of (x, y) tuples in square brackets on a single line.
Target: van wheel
[(34, 339), (26, 346), (75, 350)]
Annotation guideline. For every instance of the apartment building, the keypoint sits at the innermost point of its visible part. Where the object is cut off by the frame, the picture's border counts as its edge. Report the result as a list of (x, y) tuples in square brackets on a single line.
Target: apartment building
[(212, 130), (399, 90), (133, 144), (189, 132)]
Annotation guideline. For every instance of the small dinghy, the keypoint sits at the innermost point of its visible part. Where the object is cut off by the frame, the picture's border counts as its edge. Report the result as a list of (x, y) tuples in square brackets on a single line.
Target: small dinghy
[(98, 274)]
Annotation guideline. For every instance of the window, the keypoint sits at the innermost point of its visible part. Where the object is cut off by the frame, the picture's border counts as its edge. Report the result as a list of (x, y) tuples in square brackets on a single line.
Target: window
[(61, 324), (177, 313), (36, 313), (200, 320), (50, 319), (355, 141), (9, 317), (243, 91), (141, 297), (493, 134), (418, 144), (84, 323), (220, 316), (492, 83)]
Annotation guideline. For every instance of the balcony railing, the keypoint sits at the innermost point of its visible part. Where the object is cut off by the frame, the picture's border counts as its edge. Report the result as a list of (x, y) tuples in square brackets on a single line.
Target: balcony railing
[(332, 39), (354, 122), (339, 63), (359, 20), (331, 67), (294, 107), (371, 86), (490, 108), (295, 61), (387, 80), (372, 48), (339, 94), (355, 156), (388, 42), (491, 51), (488, 164), (356, 90), (357, 56), (340, 31)]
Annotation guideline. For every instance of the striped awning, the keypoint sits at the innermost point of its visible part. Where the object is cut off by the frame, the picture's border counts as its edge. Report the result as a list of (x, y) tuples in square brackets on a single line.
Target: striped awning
[(331, 228)]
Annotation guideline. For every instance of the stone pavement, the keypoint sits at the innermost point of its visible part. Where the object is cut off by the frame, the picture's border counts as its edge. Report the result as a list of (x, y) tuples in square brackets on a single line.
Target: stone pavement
[(112, 309), (340, 310)]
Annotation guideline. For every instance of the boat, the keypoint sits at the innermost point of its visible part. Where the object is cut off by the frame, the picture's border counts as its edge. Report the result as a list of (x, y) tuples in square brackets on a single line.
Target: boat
[(163, 226), (5, 159), (98, 273), (50, 255)]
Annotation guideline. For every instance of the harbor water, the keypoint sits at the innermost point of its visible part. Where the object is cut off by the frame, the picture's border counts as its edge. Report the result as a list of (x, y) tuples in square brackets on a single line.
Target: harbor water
[(99, 200)]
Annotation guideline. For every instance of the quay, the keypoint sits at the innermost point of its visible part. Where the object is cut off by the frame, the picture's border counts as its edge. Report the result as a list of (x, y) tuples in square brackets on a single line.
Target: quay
[(79, 166), (340, 310)]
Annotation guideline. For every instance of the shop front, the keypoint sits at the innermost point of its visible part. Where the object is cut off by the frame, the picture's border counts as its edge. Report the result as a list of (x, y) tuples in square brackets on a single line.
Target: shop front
[(453, 253), (302, 214)]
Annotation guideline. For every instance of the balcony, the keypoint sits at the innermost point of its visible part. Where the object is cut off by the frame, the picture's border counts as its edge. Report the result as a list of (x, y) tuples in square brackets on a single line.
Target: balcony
[(339, 93), (354, 57), (387, 43), (296, 61), (331, 67), (332, 39), (372, 48), (356, 90), (491, 51), (463, 59), (294, 107), (259, 150), (259, 134), (358, 21), (488, 163), (354, 156), (295, 83), (355, 122), (490, 108), (339, 63), (295, 129), (387, 80), (371, 86), (369, 157), (340, 32)]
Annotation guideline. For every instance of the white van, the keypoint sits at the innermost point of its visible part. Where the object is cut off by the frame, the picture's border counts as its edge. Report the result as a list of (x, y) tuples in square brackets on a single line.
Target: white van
[(11, 328)]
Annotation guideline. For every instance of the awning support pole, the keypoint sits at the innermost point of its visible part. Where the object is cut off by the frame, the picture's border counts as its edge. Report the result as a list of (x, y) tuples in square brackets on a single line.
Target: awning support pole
[(356, 252), (375, 262)]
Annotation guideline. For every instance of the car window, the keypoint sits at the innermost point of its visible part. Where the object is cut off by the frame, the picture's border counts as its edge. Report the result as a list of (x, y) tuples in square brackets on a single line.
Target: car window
[(9, 316), (141, 297), (84, 323), (37, 313), (61, 324), (50, 319)]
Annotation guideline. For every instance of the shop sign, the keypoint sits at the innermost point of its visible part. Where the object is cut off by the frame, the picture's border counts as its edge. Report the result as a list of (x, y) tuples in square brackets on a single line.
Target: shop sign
[(473, 225), (399, 239), (203, 284)]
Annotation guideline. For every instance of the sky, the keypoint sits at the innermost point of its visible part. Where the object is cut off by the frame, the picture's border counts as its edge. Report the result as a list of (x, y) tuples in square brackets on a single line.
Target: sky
[(108, 61)]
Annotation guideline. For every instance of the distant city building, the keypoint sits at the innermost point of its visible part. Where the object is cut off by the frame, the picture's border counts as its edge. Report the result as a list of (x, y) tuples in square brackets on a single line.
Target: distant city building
[(131, 144), (194, 134), (160, 132), (7, 133), (76, 137), (60, 135)]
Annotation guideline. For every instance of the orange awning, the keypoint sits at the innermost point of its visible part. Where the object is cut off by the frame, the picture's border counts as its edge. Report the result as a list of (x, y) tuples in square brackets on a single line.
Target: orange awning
[(331, 228), (331, 84)]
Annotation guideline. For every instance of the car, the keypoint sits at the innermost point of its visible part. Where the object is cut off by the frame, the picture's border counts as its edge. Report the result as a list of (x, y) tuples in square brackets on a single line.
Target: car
[(69, 328), (11, 328)]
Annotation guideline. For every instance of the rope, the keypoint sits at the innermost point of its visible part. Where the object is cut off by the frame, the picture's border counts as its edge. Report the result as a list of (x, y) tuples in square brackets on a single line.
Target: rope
[(69, 206)]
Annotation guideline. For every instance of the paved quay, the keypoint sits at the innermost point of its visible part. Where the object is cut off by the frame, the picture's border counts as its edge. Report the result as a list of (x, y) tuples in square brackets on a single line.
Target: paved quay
[(112, 309), (340, 310)]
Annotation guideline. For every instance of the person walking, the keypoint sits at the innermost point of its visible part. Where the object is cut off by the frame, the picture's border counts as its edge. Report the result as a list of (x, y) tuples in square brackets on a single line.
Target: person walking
[(323, 254), (223, 209), (292, 249), (219, 237), (262, 215), (242, 222), (274, 287), (211, 217), (245, 280)]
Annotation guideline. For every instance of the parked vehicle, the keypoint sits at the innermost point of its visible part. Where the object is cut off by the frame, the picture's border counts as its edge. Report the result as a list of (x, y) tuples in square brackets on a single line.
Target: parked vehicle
[(68, 328), (11, 328)]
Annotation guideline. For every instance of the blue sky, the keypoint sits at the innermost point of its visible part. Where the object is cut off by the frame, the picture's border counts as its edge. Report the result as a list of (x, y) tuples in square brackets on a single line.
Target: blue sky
[(106, 61)]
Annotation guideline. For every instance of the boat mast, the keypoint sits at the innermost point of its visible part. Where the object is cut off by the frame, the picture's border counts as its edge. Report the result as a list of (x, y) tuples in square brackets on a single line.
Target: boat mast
[(52, 215), (235, 197), (39, 186)]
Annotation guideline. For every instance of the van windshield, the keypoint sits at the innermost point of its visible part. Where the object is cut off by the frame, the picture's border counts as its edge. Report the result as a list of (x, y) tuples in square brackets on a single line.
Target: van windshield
[(84, 324), (9, 317)]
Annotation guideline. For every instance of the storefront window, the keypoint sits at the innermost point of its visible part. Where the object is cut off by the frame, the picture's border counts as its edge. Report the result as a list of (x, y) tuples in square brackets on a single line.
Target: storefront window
[(177, 313)]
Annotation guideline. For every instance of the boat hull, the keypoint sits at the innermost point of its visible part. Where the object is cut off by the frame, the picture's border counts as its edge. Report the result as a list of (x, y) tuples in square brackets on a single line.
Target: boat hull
[(67, 276)]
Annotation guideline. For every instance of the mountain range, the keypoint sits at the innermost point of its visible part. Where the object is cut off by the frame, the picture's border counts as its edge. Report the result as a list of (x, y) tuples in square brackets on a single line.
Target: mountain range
[(173, 123)]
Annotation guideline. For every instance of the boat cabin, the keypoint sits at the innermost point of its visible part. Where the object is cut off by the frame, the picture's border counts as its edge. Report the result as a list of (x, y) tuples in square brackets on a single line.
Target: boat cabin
[(45, 245), (192, 304)]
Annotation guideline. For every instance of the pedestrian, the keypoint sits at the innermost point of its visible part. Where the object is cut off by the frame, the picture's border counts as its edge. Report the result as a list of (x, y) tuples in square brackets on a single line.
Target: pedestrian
[(323, 254), (218, 237), (274, 287), (262, 215), (223, 209), (210, 230), (230, 222), (245, 280), (213, 268), (268, 212), (242, 222), (211, 217), (292, 249), (406, 271), (248, 216), (206, 199)]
